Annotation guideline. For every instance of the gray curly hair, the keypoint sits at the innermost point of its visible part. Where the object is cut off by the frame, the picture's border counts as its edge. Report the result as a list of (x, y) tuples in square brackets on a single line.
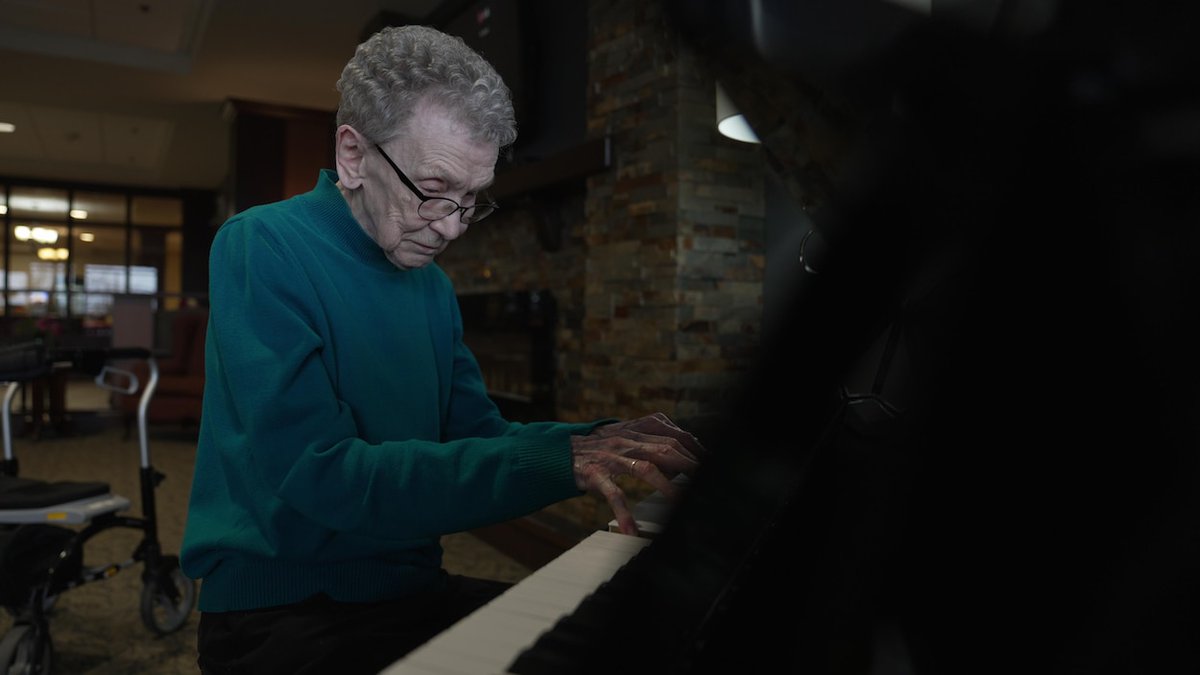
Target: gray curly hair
[(400, 66)]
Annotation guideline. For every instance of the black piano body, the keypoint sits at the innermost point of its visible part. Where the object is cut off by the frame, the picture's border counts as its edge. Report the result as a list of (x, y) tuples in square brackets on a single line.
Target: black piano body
[(971, 445)]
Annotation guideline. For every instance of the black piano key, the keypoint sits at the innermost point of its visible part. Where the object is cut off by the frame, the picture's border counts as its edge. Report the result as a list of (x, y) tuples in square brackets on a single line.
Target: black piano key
[(580, 642), (531, 662), (553, 651), (596, 610)]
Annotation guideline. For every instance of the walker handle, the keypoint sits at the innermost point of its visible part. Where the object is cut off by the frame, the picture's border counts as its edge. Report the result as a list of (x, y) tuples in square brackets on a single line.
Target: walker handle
[(111, 378)]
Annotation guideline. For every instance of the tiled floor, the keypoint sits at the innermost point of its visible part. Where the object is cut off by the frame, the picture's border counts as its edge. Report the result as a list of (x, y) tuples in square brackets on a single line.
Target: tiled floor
[(96, 628)]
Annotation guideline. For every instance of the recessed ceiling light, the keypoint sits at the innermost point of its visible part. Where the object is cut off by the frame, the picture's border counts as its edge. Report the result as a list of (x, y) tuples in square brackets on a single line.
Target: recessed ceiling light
[(7, 127), (78, 214)]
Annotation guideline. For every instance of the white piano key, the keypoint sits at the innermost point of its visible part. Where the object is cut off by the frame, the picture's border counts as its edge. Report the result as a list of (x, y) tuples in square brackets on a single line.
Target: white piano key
[(543, 589), (487, 640), (583, 572), (532, 608), (491, 638), (411, 667), (448, 662), (612, 540)]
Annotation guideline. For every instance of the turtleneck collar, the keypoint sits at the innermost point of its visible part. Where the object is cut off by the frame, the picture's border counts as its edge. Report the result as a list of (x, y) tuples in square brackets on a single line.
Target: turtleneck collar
[(333, 212)]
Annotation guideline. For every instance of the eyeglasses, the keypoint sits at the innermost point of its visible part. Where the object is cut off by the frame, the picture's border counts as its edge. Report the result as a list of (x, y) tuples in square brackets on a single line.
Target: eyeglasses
[(436, 208)]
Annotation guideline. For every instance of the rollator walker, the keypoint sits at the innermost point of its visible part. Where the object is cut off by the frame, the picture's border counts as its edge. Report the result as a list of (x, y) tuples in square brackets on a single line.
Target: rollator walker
[(45, 524)]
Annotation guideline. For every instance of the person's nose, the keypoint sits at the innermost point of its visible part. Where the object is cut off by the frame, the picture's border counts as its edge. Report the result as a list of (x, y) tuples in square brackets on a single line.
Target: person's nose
[(450, 227)]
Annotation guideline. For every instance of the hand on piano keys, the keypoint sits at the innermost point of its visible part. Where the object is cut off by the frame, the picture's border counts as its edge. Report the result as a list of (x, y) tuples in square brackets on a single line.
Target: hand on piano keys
[(651, 449), (651, 513)]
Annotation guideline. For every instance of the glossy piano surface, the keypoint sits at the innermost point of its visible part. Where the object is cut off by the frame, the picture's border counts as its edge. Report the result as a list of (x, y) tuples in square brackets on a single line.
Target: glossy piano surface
[(970, 444)]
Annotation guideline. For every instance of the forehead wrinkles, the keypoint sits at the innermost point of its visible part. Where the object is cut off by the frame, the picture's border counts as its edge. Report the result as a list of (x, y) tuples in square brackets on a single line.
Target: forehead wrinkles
[(471, 171), (437, 145)]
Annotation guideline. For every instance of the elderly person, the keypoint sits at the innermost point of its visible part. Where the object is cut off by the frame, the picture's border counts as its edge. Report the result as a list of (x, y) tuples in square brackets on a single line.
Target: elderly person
[(346, 426)]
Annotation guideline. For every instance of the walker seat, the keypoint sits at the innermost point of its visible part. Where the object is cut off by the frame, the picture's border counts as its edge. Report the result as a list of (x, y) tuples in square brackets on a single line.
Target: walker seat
[(23, 500)]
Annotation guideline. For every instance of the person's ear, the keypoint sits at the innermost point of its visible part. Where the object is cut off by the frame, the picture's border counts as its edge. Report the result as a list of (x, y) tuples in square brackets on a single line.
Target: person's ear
[(349, 155)]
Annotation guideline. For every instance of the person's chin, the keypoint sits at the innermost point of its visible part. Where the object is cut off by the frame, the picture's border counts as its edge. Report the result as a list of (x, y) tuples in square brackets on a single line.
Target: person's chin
[(407, 260)]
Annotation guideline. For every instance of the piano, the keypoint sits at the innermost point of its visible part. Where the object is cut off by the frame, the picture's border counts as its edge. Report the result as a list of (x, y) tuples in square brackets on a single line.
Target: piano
[(970, 443)]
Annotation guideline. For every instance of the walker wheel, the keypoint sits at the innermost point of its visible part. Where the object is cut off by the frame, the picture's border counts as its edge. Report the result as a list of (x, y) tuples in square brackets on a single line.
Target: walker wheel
[(26, 651), (167, 598)]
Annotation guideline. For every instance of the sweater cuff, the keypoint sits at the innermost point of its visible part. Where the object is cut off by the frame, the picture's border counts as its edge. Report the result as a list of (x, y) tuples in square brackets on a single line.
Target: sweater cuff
[(545, 465)]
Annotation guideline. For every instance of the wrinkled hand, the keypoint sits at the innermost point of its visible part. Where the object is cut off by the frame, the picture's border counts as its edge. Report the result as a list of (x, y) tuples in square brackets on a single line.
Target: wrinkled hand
[(651, 448)]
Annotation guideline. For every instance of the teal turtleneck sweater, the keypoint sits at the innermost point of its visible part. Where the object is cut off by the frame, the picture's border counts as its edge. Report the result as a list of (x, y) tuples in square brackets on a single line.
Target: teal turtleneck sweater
[(346, 427)]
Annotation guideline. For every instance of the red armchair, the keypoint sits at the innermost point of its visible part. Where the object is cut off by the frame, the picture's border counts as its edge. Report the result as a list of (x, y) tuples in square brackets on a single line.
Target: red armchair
[(180, 389)]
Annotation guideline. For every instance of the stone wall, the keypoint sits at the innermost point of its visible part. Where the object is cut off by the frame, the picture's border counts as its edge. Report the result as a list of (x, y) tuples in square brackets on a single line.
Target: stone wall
[(674, 232), (659, 274)]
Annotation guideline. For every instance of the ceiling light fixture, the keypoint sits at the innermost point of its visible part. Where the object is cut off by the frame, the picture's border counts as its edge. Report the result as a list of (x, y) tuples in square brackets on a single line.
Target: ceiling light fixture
[(7, 127), (78, 214), (52, 205), (42, 235)]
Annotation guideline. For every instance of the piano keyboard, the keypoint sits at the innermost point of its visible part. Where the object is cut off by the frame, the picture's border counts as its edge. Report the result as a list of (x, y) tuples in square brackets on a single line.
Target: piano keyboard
[(487, 641)]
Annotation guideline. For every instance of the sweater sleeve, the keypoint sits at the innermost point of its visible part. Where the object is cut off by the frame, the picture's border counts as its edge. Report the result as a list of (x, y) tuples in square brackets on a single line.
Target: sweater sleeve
[(291, 445)]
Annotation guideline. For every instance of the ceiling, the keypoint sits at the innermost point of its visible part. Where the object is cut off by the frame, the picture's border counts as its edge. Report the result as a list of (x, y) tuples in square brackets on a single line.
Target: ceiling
[(131, 92)]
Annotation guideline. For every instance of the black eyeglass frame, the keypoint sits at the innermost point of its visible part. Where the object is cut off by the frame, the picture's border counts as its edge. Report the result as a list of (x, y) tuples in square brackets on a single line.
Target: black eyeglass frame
[(488, 207)]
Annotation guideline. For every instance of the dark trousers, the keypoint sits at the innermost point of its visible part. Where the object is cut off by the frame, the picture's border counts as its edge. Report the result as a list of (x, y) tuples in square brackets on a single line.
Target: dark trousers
[(322, 636)]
